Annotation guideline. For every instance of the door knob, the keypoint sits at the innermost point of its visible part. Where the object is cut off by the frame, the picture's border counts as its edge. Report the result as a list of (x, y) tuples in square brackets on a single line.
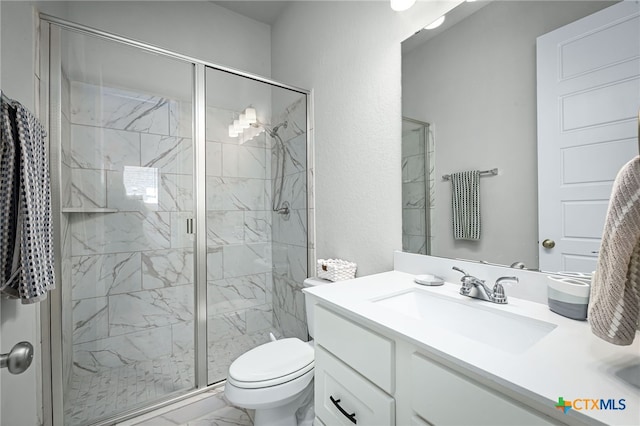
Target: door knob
[(548, 244), (19, 359)]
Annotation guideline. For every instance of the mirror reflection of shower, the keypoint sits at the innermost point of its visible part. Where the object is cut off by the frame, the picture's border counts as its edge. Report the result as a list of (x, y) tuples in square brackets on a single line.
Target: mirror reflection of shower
[(418, 186)]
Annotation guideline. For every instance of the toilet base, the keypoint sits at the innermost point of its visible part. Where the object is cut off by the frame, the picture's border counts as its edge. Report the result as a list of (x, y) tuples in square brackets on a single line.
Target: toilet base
[(276, 405), (290, 414)]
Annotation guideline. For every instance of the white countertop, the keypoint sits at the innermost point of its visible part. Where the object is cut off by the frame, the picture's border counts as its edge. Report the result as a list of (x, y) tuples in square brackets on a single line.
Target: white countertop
[(569, 362)]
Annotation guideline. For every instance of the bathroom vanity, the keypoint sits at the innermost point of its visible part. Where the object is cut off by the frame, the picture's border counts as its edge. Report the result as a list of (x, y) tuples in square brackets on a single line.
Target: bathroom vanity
[(389, 351)]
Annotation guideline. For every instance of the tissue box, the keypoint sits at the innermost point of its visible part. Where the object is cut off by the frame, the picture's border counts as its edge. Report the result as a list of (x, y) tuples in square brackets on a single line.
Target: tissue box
[(569, 296)]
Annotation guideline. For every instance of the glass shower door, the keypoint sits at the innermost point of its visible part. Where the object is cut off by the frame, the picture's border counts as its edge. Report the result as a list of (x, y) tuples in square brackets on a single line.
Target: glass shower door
[(256, 215), (127, 248)]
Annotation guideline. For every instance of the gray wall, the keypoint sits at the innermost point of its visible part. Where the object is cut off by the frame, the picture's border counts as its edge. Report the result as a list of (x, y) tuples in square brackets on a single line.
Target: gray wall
[(476, 84), (349, 53), (197, 28)]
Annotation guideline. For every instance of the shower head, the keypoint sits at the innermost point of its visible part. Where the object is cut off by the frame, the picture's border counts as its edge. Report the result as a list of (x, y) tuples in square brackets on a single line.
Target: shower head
[(273, 132)]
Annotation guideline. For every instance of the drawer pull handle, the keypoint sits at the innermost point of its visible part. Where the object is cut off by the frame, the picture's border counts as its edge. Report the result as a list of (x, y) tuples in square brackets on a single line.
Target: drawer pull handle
[(336, 402)]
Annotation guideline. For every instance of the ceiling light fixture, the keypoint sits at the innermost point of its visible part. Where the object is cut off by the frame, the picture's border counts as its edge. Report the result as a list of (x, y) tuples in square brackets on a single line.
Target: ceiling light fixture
[(400, 5), (435, 24)]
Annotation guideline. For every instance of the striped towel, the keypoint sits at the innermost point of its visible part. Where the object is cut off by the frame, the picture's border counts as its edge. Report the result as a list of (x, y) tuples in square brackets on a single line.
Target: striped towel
[(465, 201), (26, 233), (614, 308)]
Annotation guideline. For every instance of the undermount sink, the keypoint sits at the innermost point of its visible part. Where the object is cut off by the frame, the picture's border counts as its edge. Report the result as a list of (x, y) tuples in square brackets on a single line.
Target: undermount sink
[(502, 330)]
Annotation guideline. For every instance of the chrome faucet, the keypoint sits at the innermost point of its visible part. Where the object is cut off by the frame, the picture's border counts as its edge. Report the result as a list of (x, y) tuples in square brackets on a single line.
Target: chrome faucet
[(482, 292)]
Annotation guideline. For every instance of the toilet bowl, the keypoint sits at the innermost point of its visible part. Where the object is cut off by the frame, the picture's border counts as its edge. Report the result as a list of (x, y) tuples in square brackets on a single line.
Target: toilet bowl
[(275, 379)]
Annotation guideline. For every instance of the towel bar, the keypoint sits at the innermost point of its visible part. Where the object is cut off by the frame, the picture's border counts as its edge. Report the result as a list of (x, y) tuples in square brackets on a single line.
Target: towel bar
[(491, 172)]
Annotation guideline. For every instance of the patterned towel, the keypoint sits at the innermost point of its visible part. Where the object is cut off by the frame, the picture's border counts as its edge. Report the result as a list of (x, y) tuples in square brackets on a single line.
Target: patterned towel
[(9, 198), (465, 201), (614, 307), (26, 234)]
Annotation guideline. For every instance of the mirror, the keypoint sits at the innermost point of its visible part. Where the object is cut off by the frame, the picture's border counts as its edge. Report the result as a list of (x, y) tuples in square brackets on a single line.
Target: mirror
[(469, 103)]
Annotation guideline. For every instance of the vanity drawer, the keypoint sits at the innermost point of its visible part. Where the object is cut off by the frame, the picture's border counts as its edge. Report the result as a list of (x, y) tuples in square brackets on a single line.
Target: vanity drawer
[(444, 397), (343, 397), (365, 351)]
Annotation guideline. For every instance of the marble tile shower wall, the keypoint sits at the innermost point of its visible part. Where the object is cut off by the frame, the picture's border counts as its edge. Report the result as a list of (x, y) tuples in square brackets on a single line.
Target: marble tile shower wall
[(131, 266), (290, 246)]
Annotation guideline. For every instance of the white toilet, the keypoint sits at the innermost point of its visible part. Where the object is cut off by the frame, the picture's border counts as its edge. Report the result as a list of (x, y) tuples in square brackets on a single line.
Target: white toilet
[(276, 378)]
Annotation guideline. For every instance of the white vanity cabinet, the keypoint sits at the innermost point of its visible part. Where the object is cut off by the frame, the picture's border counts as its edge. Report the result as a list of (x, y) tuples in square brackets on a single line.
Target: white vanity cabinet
[(344, 397), (445, 397), (364, 377), (354, 373)]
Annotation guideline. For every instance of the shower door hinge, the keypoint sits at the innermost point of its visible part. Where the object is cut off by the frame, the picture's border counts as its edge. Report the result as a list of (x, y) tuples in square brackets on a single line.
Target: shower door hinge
[(190, 226)]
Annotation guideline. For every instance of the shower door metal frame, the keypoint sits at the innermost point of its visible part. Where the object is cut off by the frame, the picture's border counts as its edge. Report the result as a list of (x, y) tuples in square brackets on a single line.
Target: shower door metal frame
[(51, 311)]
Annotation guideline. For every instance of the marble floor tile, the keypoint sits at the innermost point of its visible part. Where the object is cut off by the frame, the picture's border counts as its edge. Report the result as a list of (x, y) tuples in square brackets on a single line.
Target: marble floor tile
[(223, 417), (209, 408)]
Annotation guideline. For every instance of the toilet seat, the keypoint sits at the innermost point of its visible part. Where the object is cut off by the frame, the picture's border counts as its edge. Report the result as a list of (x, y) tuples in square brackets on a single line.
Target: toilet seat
[(272, 364), (268, 397)]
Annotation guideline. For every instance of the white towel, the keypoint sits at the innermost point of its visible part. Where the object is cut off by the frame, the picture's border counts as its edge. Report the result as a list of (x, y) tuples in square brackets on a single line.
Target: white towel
[(27, 266), (465, 201), (614, 308)]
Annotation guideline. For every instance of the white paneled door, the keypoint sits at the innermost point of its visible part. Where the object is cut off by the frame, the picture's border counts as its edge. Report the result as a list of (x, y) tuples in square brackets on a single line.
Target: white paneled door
[(588, 101)]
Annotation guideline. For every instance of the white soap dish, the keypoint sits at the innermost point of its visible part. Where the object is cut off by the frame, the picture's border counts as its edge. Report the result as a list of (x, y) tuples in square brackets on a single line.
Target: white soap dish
[(428, 280)]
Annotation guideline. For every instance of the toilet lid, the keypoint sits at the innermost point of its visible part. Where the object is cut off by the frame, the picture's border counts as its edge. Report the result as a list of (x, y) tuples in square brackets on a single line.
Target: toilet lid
[(272, 360)]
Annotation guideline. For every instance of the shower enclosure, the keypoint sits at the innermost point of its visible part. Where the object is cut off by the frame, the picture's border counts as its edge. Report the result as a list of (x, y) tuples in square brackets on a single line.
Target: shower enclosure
[(418, 186), (182, 239)]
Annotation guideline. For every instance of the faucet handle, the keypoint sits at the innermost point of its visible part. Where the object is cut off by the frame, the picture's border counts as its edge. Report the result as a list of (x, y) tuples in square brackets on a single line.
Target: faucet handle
[(498, 290), (455, 268), (465, 280), (501, 279)]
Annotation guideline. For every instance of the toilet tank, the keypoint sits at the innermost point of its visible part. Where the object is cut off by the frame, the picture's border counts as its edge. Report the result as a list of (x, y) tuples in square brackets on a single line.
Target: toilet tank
[(310, 300)]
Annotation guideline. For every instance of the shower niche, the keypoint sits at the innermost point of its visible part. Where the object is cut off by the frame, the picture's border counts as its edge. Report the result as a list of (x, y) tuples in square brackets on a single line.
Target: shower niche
[(182, 243)]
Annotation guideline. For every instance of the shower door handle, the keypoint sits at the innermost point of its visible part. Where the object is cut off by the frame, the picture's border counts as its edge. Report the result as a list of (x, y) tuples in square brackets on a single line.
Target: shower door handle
[(190, 226), (19, 359)]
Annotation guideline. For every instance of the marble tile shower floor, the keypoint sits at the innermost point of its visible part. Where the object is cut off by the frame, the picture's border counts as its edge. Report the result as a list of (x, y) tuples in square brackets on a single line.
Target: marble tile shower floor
[(92, 397), (95, 396)]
